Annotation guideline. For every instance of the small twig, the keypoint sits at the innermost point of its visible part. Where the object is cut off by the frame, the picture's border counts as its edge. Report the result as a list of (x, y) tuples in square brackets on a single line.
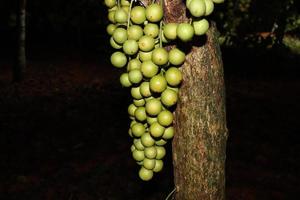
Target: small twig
[(171, 193)]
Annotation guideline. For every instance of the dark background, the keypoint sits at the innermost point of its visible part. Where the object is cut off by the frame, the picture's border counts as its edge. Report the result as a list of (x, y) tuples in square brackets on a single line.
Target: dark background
[(63, 130)]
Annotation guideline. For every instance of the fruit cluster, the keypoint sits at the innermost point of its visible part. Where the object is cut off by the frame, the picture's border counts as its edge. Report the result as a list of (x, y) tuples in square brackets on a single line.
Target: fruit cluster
[(138, 33)]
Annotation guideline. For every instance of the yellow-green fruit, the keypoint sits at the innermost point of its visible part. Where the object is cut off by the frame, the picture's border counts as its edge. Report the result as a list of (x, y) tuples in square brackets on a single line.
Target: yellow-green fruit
[(135, 76), (131, 109), (145, 56), (170, 30), (111, 16), (156, 130), (146, 43), (130, 132), (173, 76), (135, 93), (145, 174), (165, 118), (138, 129), (147, 140), (218, 1), (160, 152), (113, 44), (120, 35), (160, 56), (133, 64), (134, 32), (188, 3), (130, 47), (139, 102), (169, 97), (150, 152), (149, 69), (132, 148), (120, 16), (209, 7), (138, 155), (201, 26), (151, 30), (114, 8), (118, 59), (197, 8), (124, 80), (149, 163), (160, 142), (138, 144), (151, 120), (153, 107), (140, 114), (176, 57), (158, 84), (138, 15), (159, 164), (185, 32), (145, 89), (175, 89), (110, 3), (125, 3), (154, 12), (111, 28), (169, 133)]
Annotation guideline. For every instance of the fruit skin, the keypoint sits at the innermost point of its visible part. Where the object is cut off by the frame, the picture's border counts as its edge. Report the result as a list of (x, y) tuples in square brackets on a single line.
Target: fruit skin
[(140, 114), (165, 118), (110, 3), (145, 89), (197, 8), (110, 29), (158, 84), (149, 69), (124, 80), (150, 152), (153, 107), (149, 163), (138, 15), (146, 43), (160, 56), (145, 174), (120, 16), (185, 32), (111, 16), (145, 56), (160, 152), (118, 59), (154, 12), (176, 57), (131, 109), (120, 35), (130, 47), (169, 97), (133, 64), (151, 30), (135, 76), (209, 7), (170, 30), (169, 133), (139, 103), (135, 93), (147, 140), (159, 164), (113, 44), (138, 129), (173, 76), (134, 32), (201, 26), (138, 155), (156, 130), (138, 144)]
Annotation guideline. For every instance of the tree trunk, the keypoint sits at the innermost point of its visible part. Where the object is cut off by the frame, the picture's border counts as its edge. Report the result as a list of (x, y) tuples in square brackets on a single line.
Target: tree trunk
[(20, 63)]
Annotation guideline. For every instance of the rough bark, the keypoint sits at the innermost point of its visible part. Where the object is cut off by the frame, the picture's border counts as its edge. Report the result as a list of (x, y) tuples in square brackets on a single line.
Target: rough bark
[(20, 64)]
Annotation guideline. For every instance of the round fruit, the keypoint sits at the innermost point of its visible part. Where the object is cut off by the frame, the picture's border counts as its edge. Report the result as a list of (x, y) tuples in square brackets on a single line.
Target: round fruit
[(149, 163), (120, 16), (173, 76), (138, 129), (185, 32), (151, 120), (118, 59), (111, 16), (161, 152), (201, 26), (145, 89), (132, 148), (159, 164), (120, 35), (197, 8), (147, 140), (158, 84), (145, 56), (151, 30), (135, 93), (149, 69), (138, 144), (138, 15), (146, 43), (134, 64), (169, 133), (130, 47), (111, 28), (125, 3), (139, 103), (135, 76), (170, 31), (145, 174), (110, 3), (153, 107), (209, 7), (165, 118), (176, 57), (154, 12), (169, 97), (150, 152), (134, 32), (161, 142), (160, 56), (156, 130), (138, 155), (124, 80), (130, 132), (113, 44), (131, 109), (140, 114)]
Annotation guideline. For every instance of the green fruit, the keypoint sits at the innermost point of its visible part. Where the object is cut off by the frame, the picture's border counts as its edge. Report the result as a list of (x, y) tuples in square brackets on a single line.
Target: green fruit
[(130, 47), (145, 89), (188, 3), (146, 43), (145, 56), (111, 16), (130, 132), (185, 32), (147, 140), (110, 3), (138, 129), (160, 152), (145, 174), (153, 107), (120, 16), (131, 109), (151, 30), (134, 32), (159, 164), (138, 155), (165, 118), (118, 59), (139, 103), (113, 44), (154, 12), (149, 163), (158, 84), (169, 97), (138, 144), (209, 7), (120, 35), (111, 28), (161, 142), (169, 133), (173, 76), (176, 57), (125, 3), (138, 15), (170, 31), (134, 64), (135, 93), (197, 8), (201, 26), (124, 80), (150, 152), (160, 56), (135, 76), (149, 69), (140, 114), (151, 120), (156, 130), (218, 1), (132, 148)]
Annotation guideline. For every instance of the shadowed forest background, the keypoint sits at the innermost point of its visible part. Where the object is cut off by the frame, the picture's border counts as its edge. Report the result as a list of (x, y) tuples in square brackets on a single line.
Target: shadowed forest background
[(63, 130)]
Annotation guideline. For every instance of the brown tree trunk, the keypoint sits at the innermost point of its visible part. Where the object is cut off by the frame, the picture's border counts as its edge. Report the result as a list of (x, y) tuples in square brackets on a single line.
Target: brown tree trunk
[(20, 62)]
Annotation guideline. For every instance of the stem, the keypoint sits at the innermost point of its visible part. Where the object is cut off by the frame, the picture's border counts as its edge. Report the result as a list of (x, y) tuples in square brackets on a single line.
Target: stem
[(160, 33), (171, 193), (129, 13)]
